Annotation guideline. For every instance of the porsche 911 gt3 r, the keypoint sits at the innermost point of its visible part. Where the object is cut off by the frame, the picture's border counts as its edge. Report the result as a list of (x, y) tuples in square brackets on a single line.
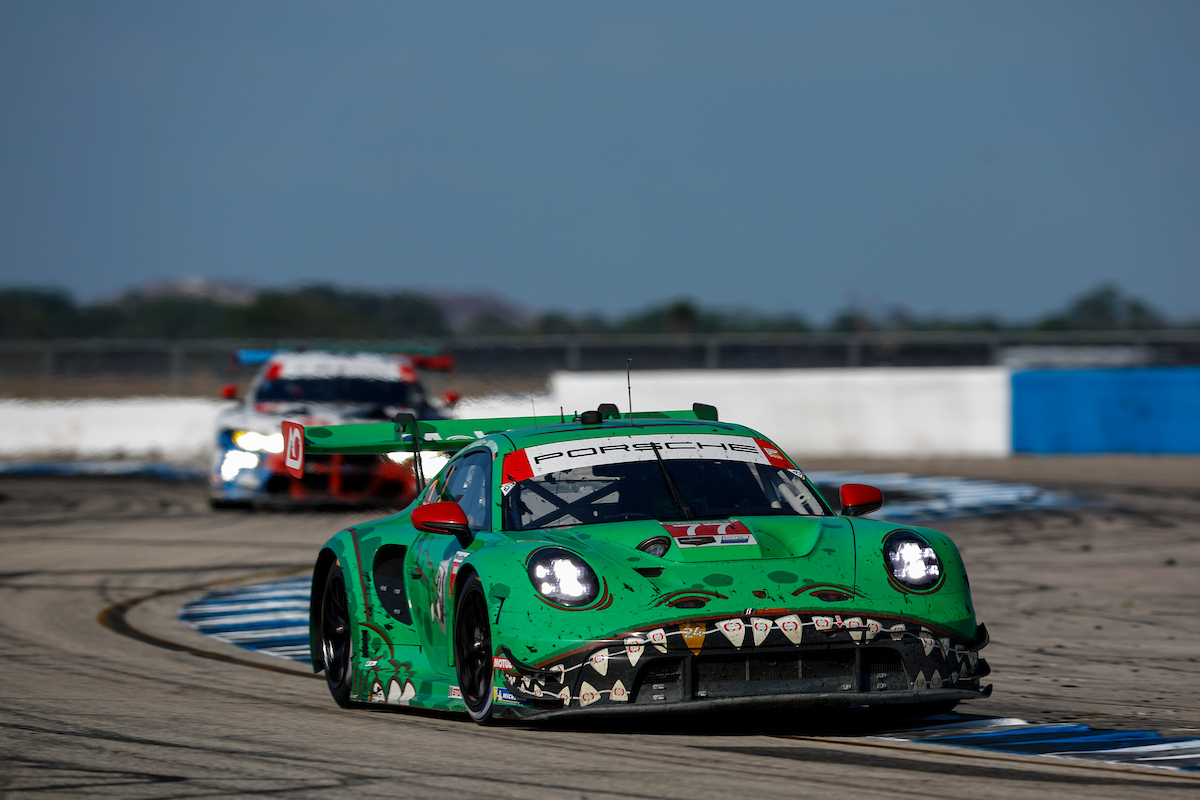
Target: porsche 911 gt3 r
[(667, 561), (317, 388)]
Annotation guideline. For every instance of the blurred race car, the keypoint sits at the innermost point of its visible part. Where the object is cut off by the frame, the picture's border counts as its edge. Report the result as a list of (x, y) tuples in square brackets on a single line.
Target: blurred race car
[(318, 388), (661, 562)]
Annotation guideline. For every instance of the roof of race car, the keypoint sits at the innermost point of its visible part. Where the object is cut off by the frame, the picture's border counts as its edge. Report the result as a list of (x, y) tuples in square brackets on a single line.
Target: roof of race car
[(320, 364)]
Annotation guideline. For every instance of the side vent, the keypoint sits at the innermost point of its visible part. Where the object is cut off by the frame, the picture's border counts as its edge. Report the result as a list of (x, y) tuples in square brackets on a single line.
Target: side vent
[(388, 577)]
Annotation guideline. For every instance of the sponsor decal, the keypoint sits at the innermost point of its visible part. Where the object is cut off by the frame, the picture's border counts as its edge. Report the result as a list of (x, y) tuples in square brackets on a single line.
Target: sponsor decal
[(774, 455), (454, 693), (293, 448), (370, 664), (500, 662), (545, 458), (700, 534), (503, 695)]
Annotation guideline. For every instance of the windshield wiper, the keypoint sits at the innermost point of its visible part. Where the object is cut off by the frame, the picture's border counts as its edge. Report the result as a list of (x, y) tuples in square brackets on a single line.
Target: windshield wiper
[(680, 503)]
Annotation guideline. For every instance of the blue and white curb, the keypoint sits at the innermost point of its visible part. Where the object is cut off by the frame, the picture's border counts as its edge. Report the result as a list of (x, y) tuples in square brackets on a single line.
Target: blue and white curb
[(1137, 748), (269, 618)]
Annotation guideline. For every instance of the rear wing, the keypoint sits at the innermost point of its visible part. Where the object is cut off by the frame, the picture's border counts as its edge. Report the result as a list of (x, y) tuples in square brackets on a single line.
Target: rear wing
[(443, 435)]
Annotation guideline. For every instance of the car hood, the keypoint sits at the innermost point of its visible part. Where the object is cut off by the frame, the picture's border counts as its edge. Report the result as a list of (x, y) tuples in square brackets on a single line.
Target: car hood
[(735, 539)]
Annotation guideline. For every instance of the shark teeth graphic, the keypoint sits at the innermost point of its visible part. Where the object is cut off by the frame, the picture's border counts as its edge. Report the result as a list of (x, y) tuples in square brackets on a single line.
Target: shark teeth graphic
[(658, 638), (759, 627), (557, 671), (792, 628), (734, 630), (587, 694), (873, 629), (634, 649), (919, 683), (855, 626), (619, 692), (565, 696), (897, 631), (400, 695), (945, 645), (927, 640), (599, 661), (936, 681), (377, 695)]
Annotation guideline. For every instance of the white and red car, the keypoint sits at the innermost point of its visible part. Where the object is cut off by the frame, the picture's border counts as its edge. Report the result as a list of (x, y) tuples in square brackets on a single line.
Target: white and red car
[(319, 388)]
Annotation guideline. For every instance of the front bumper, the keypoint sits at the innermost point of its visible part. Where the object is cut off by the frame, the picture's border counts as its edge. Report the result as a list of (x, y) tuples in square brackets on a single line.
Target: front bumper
[(794, 660), (349, 479)]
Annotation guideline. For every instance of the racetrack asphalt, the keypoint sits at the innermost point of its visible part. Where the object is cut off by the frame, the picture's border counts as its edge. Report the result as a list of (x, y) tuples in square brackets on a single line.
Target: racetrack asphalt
[(1092, 612)]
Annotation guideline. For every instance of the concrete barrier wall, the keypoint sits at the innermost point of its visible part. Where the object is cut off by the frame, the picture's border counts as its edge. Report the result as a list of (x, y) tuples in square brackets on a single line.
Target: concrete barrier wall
[(870, 412), (969, 412), (177, 430)]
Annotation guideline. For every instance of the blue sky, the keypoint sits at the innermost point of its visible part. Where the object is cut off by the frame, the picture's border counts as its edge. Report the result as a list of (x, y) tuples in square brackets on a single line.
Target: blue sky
[(951, 158)]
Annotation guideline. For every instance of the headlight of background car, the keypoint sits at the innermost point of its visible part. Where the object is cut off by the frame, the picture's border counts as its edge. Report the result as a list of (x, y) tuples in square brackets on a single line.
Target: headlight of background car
[(911, 561), (255, 442), (563, 577)]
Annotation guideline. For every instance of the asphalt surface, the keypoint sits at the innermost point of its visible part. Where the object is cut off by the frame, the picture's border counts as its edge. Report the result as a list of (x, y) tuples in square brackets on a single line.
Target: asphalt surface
[(1092, 611)]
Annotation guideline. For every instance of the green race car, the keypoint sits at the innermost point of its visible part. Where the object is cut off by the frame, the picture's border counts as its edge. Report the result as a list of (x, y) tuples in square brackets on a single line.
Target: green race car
[(663, 562)]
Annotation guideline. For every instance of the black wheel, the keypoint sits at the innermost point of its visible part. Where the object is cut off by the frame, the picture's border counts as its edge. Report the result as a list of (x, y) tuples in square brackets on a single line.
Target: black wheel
[(336, 642), (473, 650)]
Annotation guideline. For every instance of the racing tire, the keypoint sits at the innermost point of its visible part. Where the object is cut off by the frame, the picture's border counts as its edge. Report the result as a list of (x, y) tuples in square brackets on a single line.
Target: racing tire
[(228, 505), (337, 641), (473, 651)]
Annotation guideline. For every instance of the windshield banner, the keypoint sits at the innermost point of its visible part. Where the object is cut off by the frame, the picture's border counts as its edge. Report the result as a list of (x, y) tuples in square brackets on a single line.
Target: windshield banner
[(545, 458)]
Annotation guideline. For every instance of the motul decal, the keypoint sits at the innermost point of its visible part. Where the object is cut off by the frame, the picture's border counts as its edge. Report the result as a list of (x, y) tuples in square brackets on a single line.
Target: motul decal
[(701, 534), (293, 449), (500, 662)]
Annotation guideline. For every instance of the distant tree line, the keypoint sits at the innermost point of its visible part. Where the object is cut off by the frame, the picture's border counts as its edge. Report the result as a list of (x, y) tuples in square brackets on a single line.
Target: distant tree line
[(330, 312)]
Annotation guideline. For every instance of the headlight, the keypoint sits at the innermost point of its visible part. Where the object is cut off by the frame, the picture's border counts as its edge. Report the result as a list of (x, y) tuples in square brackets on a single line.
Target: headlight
[(563, 577), (254, 442), (235, 461), (656, 546), (911, 561)]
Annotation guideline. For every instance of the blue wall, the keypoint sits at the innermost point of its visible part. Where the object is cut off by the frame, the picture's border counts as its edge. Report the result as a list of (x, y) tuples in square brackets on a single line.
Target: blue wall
[(1146, 410)]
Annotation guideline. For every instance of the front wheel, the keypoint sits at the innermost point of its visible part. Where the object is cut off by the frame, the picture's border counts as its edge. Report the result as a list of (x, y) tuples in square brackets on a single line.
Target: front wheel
[(336, 642), (473, 651)]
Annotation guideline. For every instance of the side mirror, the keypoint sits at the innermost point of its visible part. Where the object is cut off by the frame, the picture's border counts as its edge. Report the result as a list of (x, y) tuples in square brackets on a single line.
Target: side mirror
[(229, 391), (859, 499), (443, 517), (450, 398)]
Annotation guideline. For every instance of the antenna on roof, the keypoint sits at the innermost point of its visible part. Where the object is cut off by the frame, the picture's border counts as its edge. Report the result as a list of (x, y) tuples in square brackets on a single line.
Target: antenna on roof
[(629, 389), (533, 408)]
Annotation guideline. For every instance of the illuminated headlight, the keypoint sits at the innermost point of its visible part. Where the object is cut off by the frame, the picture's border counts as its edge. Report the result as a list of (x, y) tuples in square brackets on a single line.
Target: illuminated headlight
[(235, 461), (911, 561), (255, 442), (562, 577)]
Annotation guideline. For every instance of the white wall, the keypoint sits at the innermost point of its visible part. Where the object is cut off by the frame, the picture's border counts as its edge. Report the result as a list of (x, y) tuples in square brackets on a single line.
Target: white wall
[(178, 430), (949, 411), (869, 412)]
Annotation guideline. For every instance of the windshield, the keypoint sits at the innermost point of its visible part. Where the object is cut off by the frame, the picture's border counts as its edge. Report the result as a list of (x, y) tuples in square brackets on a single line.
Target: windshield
[(341, 390), (665, 490)]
